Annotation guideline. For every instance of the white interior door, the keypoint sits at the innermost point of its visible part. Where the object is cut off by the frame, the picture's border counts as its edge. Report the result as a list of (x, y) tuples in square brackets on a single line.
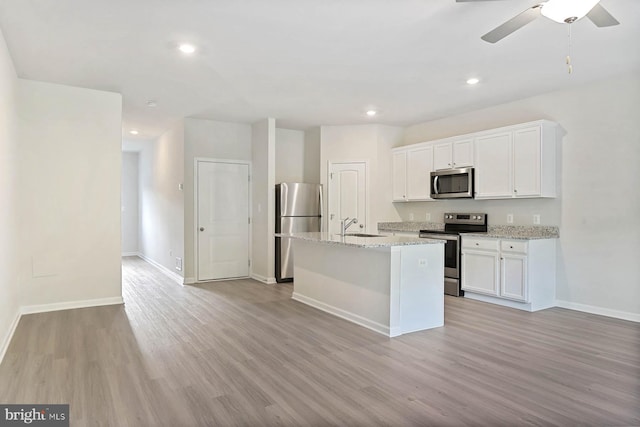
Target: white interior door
[(222, 220), (347, 195)]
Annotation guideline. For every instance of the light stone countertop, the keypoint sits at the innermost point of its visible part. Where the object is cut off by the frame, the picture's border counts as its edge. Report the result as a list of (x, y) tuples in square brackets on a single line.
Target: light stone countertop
[(363, 242), (518, 232)]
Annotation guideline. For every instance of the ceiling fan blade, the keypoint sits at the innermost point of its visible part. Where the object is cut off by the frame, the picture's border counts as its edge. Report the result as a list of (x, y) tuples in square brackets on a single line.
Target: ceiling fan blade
[(599, 16), (512, 25)]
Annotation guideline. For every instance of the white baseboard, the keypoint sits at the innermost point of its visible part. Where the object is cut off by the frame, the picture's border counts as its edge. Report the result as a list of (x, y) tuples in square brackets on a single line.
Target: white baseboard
[(174, 276), (624, 315), (131, 254), (346, 315), (69, 305), (263, 279), (9, 336), (190, 281)]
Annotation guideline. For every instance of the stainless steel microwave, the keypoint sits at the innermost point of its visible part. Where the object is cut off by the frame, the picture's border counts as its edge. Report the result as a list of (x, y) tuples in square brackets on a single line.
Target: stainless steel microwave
[(452, 184)]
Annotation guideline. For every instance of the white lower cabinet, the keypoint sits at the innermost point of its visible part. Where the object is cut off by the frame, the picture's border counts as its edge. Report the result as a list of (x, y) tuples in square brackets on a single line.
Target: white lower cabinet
[(481, 270), (515, 273)]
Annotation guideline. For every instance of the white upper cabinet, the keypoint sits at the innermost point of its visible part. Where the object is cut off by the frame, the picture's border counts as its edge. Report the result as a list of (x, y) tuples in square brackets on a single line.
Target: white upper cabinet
[(412, 168), (453, 154), (400, 176), (419, 167), (493, 166), (517, 162)]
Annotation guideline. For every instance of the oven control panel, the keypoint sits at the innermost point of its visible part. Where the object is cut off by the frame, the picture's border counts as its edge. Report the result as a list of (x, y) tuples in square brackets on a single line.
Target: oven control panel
[(465, 218)]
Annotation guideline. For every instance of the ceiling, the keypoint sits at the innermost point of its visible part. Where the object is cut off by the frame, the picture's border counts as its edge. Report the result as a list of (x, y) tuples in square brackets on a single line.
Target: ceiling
[(307, 63)]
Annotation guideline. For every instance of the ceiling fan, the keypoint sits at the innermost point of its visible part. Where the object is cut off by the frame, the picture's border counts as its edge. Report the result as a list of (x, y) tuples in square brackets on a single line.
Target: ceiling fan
[(562, 11)]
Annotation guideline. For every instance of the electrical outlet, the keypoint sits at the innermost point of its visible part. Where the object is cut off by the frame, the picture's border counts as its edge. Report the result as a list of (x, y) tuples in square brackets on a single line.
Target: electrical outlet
[(427, 217), (536, 219), (178, 264), (411, 216), (509, 218), (422, 262)]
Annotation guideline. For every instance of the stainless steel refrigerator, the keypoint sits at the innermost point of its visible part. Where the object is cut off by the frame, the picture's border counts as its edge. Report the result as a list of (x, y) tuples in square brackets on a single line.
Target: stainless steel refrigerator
[(298, 209)]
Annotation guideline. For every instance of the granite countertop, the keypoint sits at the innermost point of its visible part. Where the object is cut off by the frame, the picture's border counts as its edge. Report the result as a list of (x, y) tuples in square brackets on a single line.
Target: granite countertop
[(518, 232), (410, 226), (363, 242)]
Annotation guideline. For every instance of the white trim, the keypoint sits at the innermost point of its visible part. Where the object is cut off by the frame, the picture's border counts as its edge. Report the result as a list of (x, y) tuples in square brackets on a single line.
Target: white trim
[(130, 254), (263, 279), (347, 315), (190, 281), (195, 210), (70, 305), (9, 336), (174, 276), (624, 315)]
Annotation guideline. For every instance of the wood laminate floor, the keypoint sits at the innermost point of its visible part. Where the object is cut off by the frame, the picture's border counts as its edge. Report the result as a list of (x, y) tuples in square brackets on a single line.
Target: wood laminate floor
[(241, 353)]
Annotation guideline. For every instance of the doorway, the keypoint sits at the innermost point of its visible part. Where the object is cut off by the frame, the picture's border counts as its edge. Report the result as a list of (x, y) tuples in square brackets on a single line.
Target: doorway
[(222, 219), (348, 195)]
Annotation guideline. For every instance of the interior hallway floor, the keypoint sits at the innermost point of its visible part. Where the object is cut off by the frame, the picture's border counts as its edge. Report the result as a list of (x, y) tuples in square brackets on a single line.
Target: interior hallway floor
[(241, 353)]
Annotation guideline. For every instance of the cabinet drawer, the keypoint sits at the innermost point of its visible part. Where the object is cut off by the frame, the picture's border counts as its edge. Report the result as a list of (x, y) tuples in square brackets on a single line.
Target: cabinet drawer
[(483, 244), (518, 246)]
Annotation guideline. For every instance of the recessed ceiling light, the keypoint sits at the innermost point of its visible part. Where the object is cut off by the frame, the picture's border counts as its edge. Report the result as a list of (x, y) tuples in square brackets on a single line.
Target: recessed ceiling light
[(133, 132), (151, 103), (473, 81), (187, 48), (371, 113)]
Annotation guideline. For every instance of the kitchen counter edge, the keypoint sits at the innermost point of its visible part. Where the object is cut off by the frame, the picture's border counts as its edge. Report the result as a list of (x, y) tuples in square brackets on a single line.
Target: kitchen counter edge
[(363, 242), (516, 232)]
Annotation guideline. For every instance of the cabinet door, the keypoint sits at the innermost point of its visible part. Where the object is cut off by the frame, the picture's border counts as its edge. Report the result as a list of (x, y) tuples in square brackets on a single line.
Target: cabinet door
[(442, 156), (513, 277), (400, 176), (493, 166), (419, 167), (526, 162), (463, 153), (480, 272)]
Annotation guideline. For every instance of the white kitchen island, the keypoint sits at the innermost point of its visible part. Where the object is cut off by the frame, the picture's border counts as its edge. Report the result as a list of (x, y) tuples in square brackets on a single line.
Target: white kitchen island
[(390, 284)]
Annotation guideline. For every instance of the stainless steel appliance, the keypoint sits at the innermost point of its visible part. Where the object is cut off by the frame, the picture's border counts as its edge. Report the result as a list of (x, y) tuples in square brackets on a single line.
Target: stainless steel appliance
[(452, 184), (454, 225), (298, 209)]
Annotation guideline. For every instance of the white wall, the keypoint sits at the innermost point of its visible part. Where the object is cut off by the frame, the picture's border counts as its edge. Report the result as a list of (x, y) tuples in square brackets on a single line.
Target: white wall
[(597, 211), (214, 140), (312, 155), (129, 211), (290, 155), (161, 237), (69, 161), (263, 200), (8, 187), (363, 142)]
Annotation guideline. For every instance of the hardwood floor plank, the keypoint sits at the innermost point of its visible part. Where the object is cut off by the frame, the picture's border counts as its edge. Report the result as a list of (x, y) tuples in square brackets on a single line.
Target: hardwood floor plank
[(241, 353)]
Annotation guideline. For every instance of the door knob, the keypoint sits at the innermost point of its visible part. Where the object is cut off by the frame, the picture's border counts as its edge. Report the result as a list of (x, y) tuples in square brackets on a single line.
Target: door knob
[(201, 228)]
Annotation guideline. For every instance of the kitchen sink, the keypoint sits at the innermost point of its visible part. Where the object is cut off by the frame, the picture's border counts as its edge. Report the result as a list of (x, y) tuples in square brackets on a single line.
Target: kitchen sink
[(362, 235)]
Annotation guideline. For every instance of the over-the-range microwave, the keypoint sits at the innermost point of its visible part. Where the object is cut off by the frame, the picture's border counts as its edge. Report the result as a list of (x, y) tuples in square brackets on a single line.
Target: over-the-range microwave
[(452, 184)]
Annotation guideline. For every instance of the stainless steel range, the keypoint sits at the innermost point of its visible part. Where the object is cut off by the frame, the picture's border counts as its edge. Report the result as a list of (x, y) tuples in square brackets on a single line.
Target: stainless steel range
[(454, 225)]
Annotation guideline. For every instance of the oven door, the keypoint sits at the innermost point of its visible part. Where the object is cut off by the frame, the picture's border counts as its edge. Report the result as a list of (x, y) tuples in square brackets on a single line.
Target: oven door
[(451, 254)]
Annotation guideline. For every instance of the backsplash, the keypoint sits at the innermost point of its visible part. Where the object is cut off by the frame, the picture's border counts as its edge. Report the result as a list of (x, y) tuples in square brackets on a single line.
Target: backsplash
[(497, 211)]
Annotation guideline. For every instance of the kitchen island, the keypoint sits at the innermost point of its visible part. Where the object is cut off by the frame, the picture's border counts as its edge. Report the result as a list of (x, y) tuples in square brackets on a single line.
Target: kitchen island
[(390, 284)]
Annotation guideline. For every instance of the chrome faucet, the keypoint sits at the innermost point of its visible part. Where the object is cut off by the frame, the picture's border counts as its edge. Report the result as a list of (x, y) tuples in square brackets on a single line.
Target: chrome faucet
[(346, 223)]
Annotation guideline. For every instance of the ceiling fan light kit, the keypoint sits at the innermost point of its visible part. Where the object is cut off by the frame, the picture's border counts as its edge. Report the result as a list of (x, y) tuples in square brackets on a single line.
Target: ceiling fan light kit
[(562, 11), (567, 11)]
